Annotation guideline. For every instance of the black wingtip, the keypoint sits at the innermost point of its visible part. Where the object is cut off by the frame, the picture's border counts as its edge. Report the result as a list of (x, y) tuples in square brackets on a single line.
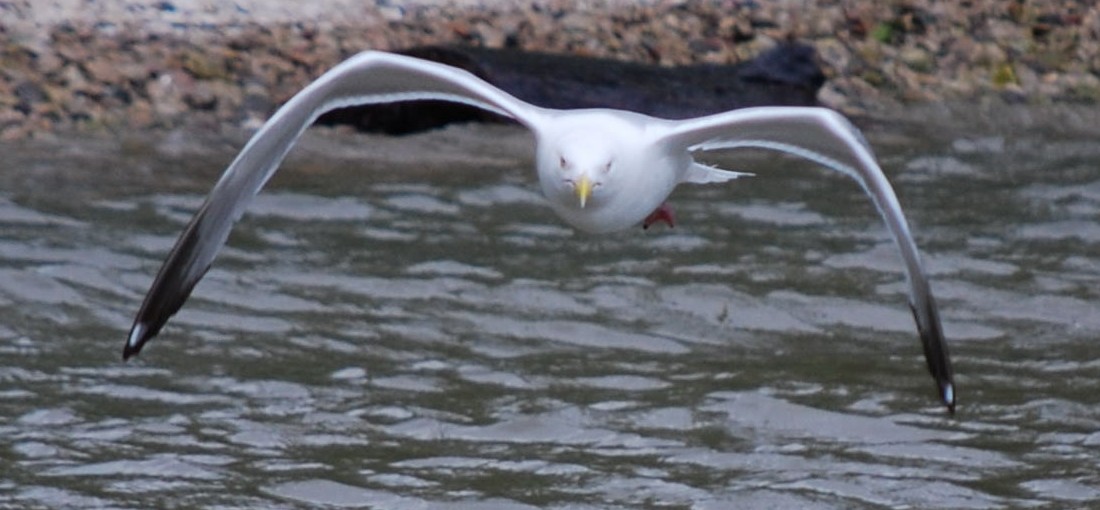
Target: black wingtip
[(936, 353), (939, 365), (171, 287)]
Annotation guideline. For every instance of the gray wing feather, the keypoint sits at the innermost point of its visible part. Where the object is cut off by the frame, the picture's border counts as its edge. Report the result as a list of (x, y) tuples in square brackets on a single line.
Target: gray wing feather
[(826, 137), (367, 78)]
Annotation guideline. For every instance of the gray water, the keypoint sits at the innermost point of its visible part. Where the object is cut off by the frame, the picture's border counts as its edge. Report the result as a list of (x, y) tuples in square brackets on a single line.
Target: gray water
[(402, 323)]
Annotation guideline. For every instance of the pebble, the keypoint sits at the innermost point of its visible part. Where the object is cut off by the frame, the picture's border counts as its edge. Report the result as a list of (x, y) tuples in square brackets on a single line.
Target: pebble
[(68, 64)]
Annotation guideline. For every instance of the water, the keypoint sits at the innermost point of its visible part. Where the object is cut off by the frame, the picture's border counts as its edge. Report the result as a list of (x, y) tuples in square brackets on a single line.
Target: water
[(415, 329)]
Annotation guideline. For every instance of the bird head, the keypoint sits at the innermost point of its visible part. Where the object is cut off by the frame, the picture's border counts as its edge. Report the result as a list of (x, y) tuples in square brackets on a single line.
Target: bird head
[(584, 169)]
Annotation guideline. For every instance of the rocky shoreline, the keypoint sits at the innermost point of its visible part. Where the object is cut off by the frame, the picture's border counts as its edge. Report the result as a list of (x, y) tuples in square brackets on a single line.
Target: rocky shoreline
[(117, 65)]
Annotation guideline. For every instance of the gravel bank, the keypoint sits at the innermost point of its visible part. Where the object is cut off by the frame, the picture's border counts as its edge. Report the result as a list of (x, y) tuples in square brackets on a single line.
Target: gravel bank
[(110, 65)]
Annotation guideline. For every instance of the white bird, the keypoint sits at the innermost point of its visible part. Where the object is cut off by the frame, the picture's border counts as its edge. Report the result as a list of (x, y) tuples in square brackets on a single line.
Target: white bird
[(600, 169)]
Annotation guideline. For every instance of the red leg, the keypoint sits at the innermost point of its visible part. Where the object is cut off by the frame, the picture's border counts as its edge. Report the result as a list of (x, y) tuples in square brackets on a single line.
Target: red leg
[(663, 214)]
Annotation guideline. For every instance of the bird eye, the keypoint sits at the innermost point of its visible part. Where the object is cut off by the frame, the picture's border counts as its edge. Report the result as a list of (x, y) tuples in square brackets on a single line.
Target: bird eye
[(607, 167), (561, 161)]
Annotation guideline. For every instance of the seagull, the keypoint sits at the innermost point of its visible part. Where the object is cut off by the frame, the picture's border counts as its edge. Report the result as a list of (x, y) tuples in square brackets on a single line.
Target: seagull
[(601, 170)]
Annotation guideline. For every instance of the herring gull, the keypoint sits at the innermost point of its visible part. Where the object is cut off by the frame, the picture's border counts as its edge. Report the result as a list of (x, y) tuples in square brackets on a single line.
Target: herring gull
[(601, 170)]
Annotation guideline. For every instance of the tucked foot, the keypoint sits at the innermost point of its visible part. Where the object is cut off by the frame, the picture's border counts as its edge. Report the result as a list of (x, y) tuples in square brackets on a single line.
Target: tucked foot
[(663, 214)]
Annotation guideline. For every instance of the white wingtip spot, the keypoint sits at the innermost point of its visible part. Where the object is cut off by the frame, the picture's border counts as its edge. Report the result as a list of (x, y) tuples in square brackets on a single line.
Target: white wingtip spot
[(136, 334), (949, 394)]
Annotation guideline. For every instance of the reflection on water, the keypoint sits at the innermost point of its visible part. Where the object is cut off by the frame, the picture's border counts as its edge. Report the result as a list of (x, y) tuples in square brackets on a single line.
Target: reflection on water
[(389, 331)]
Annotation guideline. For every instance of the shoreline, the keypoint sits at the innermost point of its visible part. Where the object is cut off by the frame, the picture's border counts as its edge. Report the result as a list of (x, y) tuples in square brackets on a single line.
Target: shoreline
[(117, 65)]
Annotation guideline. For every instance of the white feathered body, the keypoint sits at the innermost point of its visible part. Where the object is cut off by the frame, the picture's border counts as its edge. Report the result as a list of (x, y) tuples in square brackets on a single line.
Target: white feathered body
[(635, 176)]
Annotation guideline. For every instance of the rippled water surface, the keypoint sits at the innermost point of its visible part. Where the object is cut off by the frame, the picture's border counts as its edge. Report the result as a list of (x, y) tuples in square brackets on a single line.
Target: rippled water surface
[(402, 323)]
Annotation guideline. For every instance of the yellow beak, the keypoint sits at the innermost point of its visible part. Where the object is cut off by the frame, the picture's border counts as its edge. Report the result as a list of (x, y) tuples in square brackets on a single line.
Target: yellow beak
[(584, 190)]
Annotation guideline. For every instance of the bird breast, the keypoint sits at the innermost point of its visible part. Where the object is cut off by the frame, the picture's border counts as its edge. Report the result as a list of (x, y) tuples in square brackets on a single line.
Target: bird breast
[(629, 193)]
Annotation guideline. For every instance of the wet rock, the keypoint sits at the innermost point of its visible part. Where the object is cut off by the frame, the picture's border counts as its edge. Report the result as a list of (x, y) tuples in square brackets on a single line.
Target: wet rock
[(104, 69), (73, 78), (47, 61), (82, 109), (204, 66), (255, 99), (27, 95), (10, 118), (917, 59), (201, 97), (140, 115), (165, 94), (72, 50), (834, 55)]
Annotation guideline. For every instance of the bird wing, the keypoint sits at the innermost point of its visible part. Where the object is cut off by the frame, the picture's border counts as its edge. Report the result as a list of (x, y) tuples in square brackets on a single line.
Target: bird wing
[(826, 137), (366, 78)]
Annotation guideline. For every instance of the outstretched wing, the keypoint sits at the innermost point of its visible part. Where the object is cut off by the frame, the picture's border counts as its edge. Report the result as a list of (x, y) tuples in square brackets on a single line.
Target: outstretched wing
[(826, 137), (367, 78)]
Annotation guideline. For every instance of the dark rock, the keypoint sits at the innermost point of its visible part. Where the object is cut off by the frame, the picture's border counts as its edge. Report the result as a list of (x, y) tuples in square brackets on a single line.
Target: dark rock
[(413, 116), (793, 65), (256, 103), (786, 75), (28, 94), (201, 97)]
